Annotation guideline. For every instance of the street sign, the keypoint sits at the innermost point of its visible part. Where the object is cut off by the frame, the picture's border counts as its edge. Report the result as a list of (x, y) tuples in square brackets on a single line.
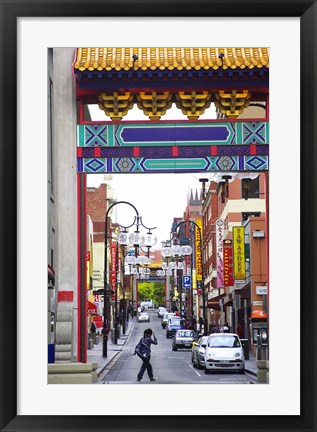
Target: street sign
[(261, 289), (257, 303), (98, 292), (101, 291), (187, 281)]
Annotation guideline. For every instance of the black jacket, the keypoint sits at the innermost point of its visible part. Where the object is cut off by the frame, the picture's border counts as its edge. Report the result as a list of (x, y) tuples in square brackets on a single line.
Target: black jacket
[(144, 346)]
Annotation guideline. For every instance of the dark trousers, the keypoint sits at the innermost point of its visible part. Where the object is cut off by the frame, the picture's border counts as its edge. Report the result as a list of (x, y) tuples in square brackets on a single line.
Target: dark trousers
[(146, 365)]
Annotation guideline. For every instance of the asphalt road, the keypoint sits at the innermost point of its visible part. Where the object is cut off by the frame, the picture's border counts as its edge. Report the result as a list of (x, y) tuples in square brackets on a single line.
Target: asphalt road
[(170, 367)]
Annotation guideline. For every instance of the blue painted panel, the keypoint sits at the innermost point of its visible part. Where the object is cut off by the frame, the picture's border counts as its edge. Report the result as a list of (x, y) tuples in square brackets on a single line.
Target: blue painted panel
[(175, 134)]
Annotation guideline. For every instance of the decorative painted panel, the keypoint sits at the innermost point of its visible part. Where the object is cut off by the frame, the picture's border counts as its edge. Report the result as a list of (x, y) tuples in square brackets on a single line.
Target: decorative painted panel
[(173, 147), (143, 165), (167, 134)]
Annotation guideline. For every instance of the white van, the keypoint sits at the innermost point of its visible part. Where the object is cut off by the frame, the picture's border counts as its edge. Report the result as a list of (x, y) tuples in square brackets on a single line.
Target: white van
[(147, 304)]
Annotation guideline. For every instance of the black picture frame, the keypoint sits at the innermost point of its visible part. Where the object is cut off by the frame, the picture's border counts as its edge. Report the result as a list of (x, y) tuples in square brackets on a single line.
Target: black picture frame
[(307, 11)]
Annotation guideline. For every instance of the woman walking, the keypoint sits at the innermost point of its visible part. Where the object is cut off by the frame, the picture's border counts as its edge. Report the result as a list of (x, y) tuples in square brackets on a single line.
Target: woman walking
[(143, 350)]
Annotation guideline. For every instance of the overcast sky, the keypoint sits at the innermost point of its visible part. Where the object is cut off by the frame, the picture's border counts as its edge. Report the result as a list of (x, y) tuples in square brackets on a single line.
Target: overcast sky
[(158, 197)]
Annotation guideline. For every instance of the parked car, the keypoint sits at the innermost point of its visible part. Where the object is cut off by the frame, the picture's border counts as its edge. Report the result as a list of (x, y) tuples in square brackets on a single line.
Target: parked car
[(143, 317), (224, 351), (165, 318), (182, 339), (161, 310), (198, 352), (173, 324)]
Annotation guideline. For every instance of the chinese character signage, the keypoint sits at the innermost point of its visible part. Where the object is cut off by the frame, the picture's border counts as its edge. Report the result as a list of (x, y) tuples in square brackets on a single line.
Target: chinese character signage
[(199, 268), (238, 253), (227, 263), (219, 250)]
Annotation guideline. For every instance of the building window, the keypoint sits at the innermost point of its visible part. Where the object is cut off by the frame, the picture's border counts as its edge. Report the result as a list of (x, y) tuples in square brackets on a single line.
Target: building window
[(250, 188)]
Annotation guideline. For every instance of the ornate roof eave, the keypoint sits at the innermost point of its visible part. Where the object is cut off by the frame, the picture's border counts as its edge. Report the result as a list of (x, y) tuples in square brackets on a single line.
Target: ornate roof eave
[(169, 74), (155, 78), (177, 79), (165, 67), (144, 59)]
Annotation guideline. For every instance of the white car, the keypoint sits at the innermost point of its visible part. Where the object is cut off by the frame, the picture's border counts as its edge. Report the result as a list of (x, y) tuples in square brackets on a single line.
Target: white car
[(198, 352), (161, 311), (183, 339), (224, 351), (143, 317), (165, 318)]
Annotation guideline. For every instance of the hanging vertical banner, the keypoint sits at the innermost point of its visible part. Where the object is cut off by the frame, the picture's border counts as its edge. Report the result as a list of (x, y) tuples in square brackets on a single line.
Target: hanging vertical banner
[(194, 279), (219, 250), (198, 242), (228, 263), (113, 278), (238, 253)]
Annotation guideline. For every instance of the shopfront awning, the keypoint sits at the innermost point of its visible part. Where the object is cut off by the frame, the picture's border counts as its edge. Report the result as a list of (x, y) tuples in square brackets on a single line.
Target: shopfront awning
[(258, 314), (245, 292), (91, 308), (213, 303), (227, 300)]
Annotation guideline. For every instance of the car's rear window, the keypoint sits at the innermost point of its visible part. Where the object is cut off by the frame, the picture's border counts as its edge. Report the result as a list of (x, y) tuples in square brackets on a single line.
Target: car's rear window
[(185, 333), (176, 322)]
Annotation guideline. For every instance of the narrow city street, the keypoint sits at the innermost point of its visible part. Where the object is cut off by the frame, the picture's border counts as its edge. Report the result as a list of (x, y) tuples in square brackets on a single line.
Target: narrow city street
[(170, 367)]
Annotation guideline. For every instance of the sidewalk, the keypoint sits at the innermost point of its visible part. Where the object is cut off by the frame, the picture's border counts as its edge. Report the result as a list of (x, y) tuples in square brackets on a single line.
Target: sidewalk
[(250, 365), (95, 354)]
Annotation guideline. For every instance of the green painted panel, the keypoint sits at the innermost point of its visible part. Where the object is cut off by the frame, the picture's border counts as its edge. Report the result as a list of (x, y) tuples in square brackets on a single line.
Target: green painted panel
[(177, 164)]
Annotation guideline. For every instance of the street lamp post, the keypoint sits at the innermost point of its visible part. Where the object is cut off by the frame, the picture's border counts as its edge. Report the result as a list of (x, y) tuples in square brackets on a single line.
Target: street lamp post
[(136, 240), (106, 292), (174, 251), (124, 310), (115, 318), (168, 294), (202, 283)]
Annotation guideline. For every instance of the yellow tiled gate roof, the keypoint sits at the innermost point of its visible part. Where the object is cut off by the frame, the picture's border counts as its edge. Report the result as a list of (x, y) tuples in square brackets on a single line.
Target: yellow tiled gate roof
[(170, 58)]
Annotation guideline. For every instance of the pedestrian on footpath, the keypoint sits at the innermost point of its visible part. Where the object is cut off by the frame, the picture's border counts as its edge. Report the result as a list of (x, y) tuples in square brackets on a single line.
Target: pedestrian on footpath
[(143, 350), (93, 328)]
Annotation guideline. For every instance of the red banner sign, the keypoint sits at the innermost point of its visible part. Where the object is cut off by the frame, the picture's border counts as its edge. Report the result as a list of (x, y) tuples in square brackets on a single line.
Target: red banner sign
[(113, 273), (228, 263), (98, 320), (91, 308)]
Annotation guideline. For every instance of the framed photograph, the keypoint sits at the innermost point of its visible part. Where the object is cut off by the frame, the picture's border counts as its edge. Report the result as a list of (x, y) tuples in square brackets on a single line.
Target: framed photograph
[(27, 29)]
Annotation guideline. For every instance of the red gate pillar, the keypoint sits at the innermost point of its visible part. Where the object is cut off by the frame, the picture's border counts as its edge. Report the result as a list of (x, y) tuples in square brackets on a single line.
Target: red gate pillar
[(82, 268)]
